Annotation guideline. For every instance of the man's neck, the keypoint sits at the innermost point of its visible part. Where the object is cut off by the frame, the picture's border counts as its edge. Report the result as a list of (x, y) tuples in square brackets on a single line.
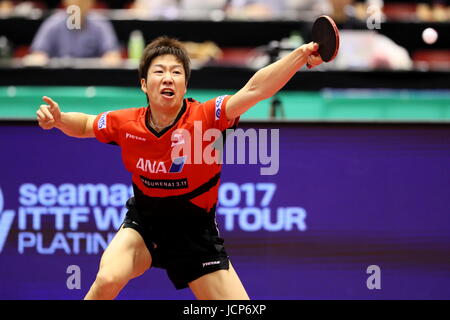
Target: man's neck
[(160, 118)]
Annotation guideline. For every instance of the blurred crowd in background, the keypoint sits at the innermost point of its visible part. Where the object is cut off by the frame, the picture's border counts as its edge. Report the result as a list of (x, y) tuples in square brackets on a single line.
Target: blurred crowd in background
[(436, 10), (362, 47)]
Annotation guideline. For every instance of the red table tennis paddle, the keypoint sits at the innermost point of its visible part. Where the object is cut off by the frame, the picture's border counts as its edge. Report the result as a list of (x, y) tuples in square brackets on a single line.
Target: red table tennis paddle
[(326, 34)]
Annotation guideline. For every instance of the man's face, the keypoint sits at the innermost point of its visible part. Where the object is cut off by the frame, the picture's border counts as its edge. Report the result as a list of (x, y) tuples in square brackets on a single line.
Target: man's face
[(166, 82)]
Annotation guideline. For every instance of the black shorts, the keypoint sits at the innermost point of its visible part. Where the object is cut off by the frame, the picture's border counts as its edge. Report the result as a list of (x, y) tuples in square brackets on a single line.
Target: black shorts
[(185, 251)]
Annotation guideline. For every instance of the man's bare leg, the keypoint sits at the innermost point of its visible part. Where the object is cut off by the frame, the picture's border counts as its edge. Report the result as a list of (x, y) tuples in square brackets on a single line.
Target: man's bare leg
[(125, 258)]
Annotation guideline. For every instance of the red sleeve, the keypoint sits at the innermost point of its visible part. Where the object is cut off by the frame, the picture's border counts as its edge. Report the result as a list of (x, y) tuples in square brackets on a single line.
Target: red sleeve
[(215, 113), (107, 124)]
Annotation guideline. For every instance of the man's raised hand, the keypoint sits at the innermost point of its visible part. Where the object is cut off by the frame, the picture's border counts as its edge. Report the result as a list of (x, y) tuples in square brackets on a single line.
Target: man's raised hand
[(48, 115)]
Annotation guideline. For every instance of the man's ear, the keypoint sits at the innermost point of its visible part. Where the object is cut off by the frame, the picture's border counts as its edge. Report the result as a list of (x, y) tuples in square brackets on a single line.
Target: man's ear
[(144, 85)]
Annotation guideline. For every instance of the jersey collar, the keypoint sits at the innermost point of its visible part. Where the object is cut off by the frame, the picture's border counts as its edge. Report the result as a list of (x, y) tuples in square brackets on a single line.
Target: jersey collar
[(159, 134)]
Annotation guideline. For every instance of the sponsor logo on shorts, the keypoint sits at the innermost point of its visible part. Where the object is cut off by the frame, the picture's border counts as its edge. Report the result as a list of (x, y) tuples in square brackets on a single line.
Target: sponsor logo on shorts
[(205, 264), (219, 101), (102, 121)]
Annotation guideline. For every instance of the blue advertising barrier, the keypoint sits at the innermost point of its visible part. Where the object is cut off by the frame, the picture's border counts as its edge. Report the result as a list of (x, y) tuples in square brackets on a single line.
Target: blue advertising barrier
[(357, 211)]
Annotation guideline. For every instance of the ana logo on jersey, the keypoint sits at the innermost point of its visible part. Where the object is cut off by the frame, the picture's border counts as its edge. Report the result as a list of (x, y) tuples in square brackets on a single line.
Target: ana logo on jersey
[(6, 220), (153, 166)]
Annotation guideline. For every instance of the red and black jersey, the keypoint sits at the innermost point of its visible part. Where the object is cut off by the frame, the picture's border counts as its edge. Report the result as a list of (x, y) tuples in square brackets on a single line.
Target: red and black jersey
[(148, 155)]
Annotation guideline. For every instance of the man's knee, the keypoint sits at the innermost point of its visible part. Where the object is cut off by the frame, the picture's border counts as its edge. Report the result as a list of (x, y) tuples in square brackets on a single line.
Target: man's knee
[(110, 281)]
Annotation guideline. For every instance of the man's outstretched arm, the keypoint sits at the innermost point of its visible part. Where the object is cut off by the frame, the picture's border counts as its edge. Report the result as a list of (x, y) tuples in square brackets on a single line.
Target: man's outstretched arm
[(270, 79)]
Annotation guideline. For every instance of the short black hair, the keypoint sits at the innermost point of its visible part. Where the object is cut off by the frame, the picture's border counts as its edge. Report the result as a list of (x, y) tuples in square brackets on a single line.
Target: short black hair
[(161, 46)]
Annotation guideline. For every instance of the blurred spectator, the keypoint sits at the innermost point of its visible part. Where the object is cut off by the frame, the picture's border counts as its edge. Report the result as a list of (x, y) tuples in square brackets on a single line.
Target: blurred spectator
[(6, 7), (307, 9), (369, 50), (345, 14), (437, 12), (27, 9), (201, 9), (341, 10), (59, 36), (179, 9), (202, 53), (256, 9), (156, 9)]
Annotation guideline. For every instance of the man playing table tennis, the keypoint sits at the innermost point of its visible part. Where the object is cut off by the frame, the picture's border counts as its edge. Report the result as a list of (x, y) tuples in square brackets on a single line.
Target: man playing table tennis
[(171, 225)]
